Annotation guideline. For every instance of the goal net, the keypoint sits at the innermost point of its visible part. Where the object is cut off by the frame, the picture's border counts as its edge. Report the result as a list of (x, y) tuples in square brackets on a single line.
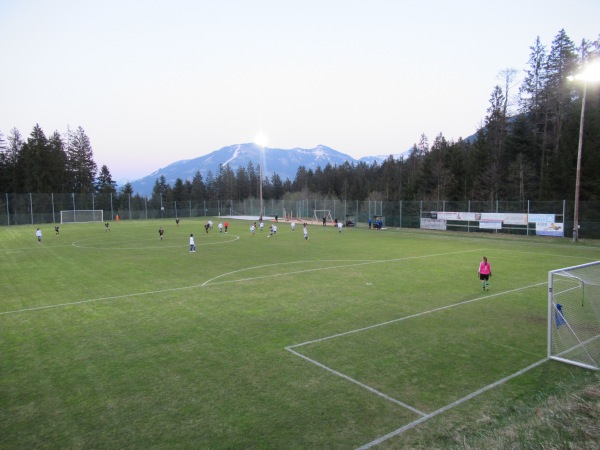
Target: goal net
[(574, 315), (82, 215), (320, 213)]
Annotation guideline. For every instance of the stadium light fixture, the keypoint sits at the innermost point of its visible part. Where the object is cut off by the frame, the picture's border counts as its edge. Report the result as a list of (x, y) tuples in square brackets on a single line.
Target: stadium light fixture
[(261, 140), (590, 74)]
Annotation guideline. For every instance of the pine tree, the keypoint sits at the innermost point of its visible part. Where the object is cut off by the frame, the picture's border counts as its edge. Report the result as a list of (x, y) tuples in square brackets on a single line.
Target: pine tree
[(57, 163), (198, 191), (104, 183), (15, 173), (80, 162), (37, 162)]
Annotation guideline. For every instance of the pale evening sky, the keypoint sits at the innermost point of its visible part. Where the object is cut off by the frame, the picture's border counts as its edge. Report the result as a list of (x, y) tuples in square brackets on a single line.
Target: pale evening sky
[(154, 82)]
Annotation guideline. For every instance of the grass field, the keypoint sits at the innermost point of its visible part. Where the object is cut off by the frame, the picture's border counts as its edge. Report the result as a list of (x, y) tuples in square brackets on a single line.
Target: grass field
[(355, 339)]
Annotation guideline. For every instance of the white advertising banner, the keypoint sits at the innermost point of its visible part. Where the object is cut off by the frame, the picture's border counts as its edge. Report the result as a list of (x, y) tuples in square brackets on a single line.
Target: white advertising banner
[(444, 215), (433, 224), (549, 229), (490, 224), (542, 218), (506, 218), (469, 216), (515, 219)]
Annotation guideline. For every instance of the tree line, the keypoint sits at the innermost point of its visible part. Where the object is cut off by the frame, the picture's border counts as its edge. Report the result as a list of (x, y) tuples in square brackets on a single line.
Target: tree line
[(526, 148), (57, 163)]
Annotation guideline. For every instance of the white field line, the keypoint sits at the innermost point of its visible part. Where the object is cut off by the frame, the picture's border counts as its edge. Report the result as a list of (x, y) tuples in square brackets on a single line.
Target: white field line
[(424, 417), (352, 380), (450, 406), (181, 244), (209, 282), (358, 330), (361, 263)]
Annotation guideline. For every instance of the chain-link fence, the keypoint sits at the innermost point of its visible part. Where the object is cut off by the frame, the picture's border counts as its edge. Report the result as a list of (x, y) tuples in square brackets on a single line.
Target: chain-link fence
[(21, 209)]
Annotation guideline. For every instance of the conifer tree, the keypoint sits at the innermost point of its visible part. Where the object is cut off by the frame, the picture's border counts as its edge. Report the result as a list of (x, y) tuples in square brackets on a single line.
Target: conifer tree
[(80, 162), (104, 183)]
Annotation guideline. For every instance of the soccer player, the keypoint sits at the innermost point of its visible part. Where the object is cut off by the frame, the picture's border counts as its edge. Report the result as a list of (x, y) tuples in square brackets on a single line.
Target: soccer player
[(261, 225), (57, 230), (305, 231), (106, 227), (220, 227), (339, 225), (192, 244), (38, 234), (161, 233), (293, 225), (252, 229), (226, 224), (484, 273), (177, 221)]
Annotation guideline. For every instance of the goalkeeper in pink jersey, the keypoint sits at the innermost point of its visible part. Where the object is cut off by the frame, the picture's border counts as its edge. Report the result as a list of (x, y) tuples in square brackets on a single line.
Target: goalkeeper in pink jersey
[(485, 273)]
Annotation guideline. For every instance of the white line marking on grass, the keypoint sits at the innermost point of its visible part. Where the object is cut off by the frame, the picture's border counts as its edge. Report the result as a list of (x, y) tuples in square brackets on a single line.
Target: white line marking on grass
[(361, 263), (424, 417), (182, 244), (450, 406), (115, 297), (345, 333), (207, 283), (548, 254), (352, 380)]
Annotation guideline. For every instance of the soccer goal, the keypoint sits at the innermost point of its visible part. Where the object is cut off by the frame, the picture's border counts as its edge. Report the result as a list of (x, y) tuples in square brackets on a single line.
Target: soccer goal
[(82, 215), (574, 315), (320, 213)]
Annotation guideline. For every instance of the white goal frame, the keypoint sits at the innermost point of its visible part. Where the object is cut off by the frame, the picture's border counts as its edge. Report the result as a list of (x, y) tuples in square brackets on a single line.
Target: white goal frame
[(574, 315), (323, 212), (81, 216)]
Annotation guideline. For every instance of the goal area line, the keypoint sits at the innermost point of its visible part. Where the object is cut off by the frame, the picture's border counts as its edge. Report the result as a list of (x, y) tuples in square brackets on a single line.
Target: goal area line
[(423, 415)]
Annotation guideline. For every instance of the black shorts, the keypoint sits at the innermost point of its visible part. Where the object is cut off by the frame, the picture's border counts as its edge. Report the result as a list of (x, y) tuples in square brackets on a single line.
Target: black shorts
[(484, 277)]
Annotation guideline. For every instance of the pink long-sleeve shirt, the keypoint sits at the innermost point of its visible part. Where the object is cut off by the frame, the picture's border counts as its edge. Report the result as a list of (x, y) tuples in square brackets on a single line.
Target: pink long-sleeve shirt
[(485, 268)]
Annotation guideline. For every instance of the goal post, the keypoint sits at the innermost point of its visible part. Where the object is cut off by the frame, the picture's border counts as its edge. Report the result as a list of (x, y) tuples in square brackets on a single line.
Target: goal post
[(574, 315), (81, 215), (320, 213)]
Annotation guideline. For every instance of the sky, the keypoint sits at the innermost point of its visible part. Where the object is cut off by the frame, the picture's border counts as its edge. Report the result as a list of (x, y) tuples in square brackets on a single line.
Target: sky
[(155, 82)]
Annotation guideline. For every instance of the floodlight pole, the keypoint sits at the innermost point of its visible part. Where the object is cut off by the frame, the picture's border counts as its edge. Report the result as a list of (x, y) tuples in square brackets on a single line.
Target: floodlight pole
[(578, 176), (262, 150)]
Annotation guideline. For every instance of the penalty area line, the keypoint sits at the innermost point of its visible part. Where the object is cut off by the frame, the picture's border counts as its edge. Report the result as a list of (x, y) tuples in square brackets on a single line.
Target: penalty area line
[(412, 316), (450, 406), (352, 380)]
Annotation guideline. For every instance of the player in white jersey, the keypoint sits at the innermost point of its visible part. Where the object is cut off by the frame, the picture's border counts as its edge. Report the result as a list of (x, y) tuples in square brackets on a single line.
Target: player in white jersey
[(339, 227), (305, 231), (293, 225)]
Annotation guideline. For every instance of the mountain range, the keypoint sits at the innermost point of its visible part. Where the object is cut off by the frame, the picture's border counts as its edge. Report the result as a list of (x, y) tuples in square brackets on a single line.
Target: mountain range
[(283, 162)]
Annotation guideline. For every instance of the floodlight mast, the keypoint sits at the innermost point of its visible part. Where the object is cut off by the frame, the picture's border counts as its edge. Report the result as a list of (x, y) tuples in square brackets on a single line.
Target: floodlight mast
[(591, 73), (261, 141)]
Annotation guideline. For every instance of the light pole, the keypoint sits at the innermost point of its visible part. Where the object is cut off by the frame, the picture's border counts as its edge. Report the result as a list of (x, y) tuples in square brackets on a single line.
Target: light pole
[(261, 141), (591, 73)]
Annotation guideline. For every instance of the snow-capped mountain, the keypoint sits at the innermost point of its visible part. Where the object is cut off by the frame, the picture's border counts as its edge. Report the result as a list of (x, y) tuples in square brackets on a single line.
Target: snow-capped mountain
[(283, 162)]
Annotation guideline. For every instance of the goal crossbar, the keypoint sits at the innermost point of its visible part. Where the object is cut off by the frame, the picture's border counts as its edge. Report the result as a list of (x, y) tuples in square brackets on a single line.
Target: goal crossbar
[(81, 216), (319, 214)]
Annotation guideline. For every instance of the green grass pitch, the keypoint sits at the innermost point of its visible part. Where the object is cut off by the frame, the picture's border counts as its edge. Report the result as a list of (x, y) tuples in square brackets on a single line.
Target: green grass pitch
[(116, 339)]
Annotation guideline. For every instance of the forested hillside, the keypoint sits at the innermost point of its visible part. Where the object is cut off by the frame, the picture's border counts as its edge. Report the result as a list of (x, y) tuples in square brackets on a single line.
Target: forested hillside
[(525, 149)]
